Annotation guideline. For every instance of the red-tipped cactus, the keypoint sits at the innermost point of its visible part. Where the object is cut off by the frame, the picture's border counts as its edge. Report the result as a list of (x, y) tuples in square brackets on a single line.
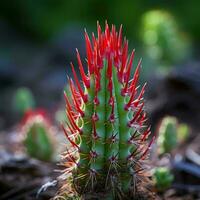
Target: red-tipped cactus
[(37, 133), (106, 120)]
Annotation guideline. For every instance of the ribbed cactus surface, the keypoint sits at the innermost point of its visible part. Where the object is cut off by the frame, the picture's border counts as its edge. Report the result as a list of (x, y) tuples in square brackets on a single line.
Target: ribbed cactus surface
[(37, 135), (167, 132), (105, 119)]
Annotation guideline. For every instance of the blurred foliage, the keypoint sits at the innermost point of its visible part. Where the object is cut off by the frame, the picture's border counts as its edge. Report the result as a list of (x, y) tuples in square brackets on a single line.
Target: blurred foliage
[(170, 134), (46, 20), (183, 132), (162, 178), (60, 116), (23, 100), (162, 39), (43, 18)]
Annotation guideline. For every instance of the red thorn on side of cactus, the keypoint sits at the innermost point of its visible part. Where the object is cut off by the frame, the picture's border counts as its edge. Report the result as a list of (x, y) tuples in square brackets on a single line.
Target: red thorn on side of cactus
[(127, 74), (146, 134), (148, 148), (84, 96), (77, 104), (89, 54), (137, 114), (68, 135), (85, 79)]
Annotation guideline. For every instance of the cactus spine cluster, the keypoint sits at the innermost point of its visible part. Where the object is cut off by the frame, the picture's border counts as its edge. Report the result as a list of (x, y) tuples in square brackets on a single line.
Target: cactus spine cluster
[(106, 120)]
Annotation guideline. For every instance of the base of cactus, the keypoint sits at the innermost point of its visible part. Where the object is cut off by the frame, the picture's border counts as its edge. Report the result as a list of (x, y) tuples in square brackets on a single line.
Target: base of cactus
[(100, 196), (106, 196), (69, 191)]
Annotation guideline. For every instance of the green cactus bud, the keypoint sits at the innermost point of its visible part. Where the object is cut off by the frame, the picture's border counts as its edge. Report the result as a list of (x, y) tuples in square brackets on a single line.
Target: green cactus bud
[(167, 135), (183, 131), (106, 125), (162, 178), (162, 38), (37, 136), (23, 100)]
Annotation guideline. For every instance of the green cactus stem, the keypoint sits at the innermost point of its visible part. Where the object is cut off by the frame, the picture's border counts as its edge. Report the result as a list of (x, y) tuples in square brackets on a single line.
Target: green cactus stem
[(23, 100), (167, 132), (162, 178), (37, 136), (106, 120), (171, 134)]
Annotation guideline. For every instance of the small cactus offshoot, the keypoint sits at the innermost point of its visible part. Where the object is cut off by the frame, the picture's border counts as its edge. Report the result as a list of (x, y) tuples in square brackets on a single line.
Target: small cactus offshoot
[(162, 38), (170, 134), (37, 135), (167, 139), (23, 100), (162, 178), (106, 122)]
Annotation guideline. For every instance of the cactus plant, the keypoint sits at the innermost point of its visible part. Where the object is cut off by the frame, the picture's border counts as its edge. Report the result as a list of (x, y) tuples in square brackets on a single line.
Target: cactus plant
[(37, 135), (106, 121), (162, 178), (162, 38), (170, 134), (167, 132), (23, 100)]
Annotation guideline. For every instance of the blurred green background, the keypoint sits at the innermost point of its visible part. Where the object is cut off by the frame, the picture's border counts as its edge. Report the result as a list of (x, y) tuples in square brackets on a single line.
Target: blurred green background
[(42, 19), (38, 40)]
